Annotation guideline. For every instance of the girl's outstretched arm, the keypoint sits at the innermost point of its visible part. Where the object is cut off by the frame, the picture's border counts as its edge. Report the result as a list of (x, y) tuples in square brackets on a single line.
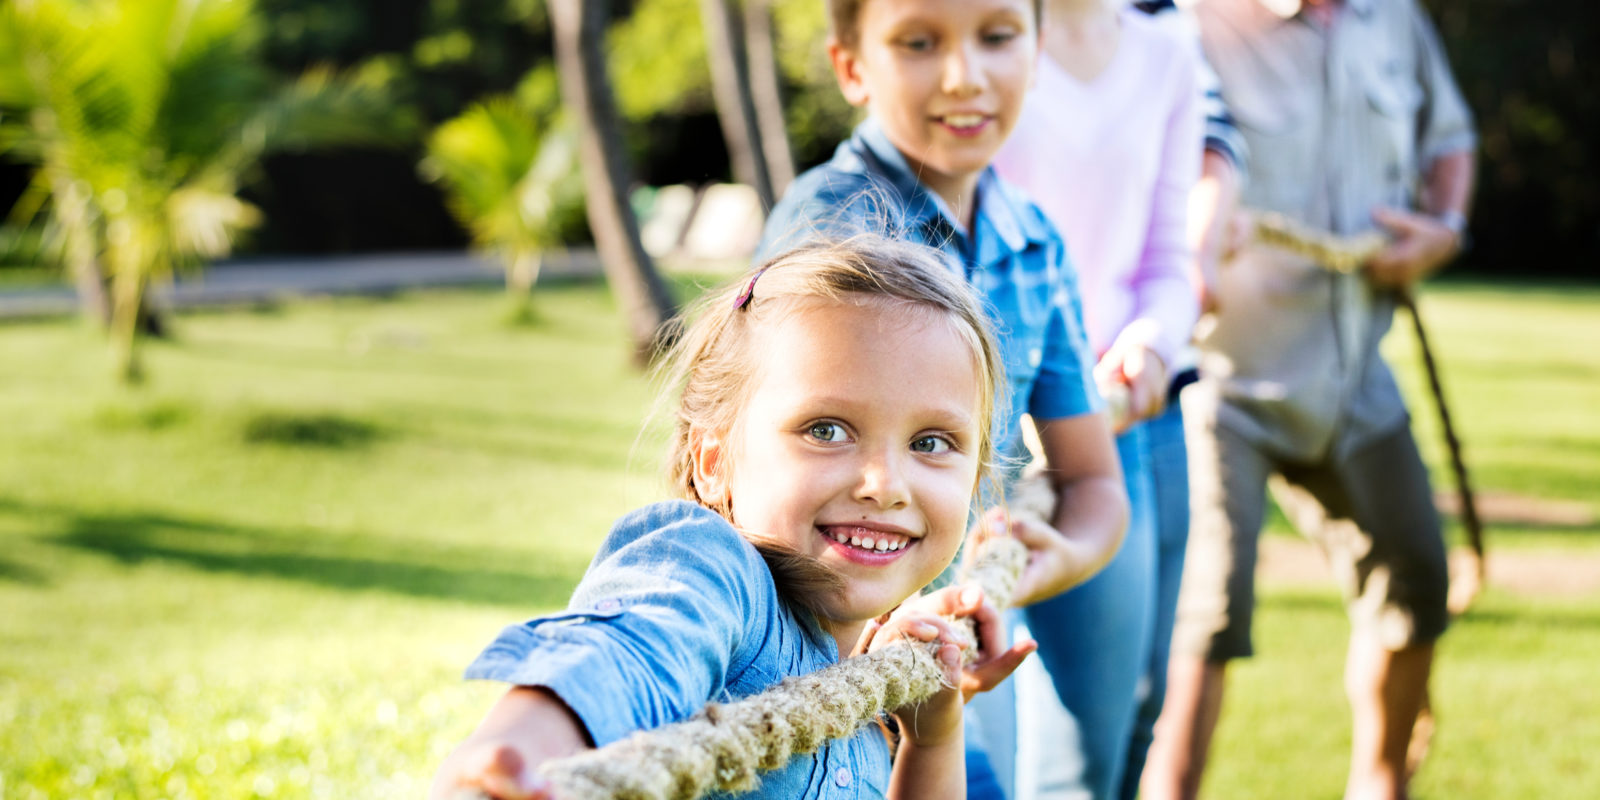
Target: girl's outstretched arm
[(527, 727)]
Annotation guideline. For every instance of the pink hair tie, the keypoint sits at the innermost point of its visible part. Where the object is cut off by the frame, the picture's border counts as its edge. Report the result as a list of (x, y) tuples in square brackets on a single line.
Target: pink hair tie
[(748, 294)]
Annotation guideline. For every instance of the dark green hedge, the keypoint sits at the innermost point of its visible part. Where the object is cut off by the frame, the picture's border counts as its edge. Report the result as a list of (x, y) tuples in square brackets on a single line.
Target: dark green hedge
[(1530, 72)]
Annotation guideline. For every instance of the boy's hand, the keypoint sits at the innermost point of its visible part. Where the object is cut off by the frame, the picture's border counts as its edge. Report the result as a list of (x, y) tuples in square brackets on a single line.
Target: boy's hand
[(1055, 562)]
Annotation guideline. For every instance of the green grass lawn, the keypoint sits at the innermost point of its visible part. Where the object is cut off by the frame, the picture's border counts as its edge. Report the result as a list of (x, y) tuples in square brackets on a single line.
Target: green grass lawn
[(261, 574)]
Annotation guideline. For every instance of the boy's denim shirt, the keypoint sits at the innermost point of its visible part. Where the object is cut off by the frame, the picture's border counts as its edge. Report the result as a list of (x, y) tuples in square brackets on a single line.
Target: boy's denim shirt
[(1013, 257), (676, 610)]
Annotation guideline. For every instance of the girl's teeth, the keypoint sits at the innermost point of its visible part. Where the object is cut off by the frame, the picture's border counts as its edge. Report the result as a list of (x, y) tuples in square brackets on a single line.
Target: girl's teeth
[(881, 545), (963, 120)]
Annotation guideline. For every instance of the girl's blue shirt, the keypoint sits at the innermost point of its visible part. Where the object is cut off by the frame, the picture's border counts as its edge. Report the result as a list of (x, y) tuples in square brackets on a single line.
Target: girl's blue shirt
[(676, 610)]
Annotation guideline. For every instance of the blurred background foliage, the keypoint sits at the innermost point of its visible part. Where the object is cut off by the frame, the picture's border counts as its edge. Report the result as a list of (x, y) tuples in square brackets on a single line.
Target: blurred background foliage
[(1538, 208)]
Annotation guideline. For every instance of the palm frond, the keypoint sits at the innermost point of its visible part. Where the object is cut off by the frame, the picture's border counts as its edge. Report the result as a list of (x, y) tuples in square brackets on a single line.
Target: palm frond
[(483, 159)]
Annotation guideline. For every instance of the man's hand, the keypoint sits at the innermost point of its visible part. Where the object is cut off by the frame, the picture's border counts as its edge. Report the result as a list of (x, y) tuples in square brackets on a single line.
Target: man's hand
[(1422, 244)]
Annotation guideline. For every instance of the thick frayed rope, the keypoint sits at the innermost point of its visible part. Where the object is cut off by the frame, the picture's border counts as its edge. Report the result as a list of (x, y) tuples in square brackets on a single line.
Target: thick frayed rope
[(726, 746)]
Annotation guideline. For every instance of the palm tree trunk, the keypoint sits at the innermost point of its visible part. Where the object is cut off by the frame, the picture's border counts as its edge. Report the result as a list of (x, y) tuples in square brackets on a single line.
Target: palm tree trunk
[(764, 90), (579, 27), (522, 272), (88, 282), (730, 85), (128, 299)]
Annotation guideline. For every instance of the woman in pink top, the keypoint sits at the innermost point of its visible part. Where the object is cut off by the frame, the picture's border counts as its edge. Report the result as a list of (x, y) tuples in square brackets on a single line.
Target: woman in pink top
[(1109, 144)]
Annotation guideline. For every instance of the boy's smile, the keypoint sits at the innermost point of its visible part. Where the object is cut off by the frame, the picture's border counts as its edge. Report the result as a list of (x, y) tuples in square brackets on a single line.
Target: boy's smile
[(945, 79), (857, 446)]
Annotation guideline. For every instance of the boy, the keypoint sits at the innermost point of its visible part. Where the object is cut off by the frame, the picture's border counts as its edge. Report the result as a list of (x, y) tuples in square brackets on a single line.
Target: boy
[(943, 82)]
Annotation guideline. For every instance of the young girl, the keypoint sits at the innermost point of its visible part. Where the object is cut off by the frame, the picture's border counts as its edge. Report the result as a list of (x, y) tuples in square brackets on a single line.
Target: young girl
[(833, 426)]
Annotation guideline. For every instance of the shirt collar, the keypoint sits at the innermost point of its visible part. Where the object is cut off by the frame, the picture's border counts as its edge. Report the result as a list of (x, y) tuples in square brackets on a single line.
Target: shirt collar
[(1002, 213)]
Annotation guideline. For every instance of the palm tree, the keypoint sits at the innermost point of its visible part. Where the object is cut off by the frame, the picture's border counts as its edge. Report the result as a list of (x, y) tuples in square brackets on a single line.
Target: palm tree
[(579, 27), (507, 182), (761, 55), (143, 118), (736, 105)]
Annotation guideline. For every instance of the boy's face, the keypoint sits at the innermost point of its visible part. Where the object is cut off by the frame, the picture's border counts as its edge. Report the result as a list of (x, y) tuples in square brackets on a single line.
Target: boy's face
[(945, 78)]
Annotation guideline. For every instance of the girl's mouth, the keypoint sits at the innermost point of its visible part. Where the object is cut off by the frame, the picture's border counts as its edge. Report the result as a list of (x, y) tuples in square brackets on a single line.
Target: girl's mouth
[(867, 545)]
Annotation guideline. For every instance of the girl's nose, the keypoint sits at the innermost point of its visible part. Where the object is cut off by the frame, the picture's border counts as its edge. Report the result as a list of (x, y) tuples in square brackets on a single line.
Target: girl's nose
[(961, 76), (883, 481)]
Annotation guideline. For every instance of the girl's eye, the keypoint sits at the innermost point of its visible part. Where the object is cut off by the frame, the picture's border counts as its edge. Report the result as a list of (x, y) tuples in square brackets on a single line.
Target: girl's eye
[(826, 431), (932, 444)]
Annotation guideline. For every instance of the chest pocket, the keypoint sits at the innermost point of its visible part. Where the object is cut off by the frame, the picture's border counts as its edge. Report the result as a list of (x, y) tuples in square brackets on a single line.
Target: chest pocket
[(1394, 100), (1275, 115), (610, 610)]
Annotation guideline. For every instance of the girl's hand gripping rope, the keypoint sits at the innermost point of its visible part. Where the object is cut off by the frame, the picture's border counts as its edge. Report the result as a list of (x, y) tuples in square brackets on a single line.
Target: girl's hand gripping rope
[(971, 650), (671, 763), (527, 726)]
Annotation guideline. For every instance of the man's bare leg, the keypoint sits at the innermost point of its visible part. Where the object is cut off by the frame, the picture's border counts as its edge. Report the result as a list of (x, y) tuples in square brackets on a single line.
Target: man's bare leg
[(1183, 733), (1386, 689)]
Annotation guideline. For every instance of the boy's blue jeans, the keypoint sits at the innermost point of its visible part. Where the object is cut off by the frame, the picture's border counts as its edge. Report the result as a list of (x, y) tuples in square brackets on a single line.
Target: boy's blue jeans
[(1103, 647)]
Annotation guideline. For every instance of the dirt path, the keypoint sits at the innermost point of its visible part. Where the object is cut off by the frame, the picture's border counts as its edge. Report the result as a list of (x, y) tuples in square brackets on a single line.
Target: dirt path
[(1537, 573)]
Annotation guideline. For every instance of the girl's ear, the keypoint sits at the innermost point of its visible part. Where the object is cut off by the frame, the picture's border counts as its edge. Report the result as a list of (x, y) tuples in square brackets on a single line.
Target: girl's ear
[(707, 450), (847, 69)]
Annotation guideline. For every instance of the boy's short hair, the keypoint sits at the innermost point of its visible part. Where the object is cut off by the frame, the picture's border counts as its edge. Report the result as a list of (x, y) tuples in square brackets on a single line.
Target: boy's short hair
[(844, 14)]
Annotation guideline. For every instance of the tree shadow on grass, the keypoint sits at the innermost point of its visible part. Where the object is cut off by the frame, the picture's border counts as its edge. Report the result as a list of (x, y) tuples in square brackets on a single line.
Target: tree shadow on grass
[(317, 557), (329, 431), (11, 572)]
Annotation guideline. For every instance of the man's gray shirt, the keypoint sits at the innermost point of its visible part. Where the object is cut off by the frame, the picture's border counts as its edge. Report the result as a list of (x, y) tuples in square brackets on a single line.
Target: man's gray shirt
[(1337, 120)]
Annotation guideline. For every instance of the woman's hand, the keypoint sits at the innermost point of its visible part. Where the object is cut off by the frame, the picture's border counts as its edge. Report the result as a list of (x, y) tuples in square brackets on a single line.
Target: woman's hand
[(1136, 367)]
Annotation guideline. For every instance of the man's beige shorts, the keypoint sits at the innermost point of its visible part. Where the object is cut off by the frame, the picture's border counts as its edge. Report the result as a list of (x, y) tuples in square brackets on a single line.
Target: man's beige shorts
[(1371, 512)]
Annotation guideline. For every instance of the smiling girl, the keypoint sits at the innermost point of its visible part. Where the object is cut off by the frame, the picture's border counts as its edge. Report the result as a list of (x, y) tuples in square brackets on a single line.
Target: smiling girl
[(831, 433)]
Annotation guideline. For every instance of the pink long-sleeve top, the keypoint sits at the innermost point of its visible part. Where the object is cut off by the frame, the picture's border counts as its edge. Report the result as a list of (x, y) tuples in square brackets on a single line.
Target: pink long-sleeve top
[(1112, 161)]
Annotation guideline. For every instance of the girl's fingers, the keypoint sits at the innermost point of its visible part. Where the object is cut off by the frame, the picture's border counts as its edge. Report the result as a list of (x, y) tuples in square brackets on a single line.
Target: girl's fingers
[(504, 775), (983, 676), (950, 659)]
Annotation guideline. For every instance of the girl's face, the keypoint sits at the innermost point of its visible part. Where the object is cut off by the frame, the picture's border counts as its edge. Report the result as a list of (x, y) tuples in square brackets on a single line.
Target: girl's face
[(857, 446), (945, 78)]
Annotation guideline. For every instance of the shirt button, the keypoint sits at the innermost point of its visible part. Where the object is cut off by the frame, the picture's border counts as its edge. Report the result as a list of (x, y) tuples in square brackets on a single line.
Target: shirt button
[(1035, 356), (841, 776), (607, 605)]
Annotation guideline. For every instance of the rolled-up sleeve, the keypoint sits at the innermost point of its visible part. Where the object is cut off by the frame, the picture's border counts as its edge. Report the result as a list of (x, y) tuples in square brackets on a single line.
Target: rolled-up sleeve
[(1444, 124), (672, 605)]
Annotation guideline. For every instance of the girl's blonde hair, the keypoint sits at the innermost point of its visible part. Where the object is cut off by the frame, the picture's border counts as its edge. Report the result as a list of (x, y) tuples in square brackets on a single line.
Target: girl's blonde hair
[(713, 361)]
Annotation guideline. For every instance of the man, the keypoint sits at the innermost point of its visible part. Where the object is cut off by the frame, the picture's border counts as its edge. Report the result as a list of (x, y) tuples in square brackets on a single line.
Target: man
[(1353, 123)]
